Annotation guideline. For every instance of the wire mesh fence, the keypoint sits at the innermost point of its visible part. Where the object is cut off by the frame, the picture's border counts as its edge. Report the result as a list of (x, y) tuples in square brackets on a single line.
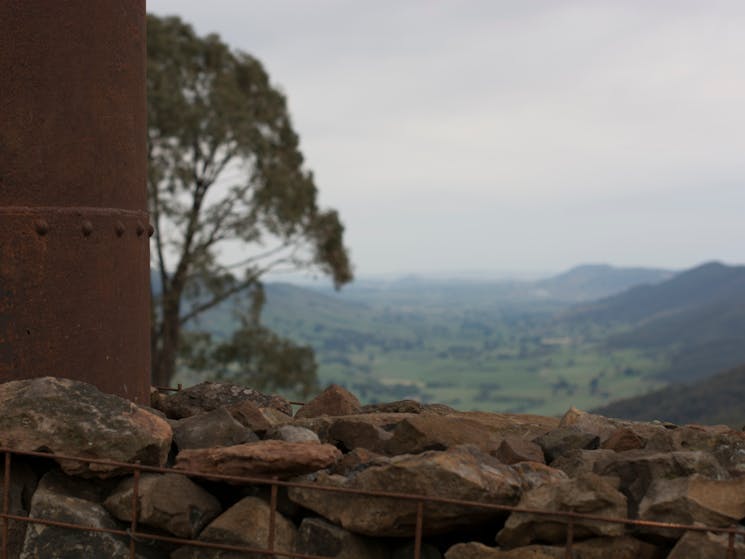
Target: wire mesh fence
[(137, 536)]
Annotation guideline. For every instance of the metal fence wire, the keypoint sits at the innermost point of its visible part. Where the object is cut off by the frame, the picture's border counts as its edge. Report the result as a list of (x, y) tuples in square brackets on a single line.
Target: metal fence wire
[(135, 535)]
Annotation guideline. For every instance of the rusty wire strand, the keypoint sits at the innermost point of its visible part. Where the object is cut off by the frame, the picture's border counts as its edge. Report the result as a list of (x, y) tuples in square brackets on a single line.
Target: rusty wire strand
[(420, 500)]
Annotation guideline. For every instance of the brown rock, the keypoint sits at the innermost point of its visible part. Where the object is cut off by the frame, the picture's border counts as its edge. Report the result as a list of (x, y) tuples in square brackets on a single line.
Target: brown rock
[(256, 418), (458, 473), (578, 461), (725, 444), (514, 449), (475, 550), (70, 417), (318, 537), (623, 547), (401, 406), (694, 499), (356, 461), (322, 426), (604, 427), (623, 439), (333, 401), (170, 502), (262, 458), (636, 469), (704, 545), (208, 396), (420, 433), (292, 434), (521, 425), (589, 494), (535, 474), (210, 429), (355, 433), (560, 441), (245, 523)]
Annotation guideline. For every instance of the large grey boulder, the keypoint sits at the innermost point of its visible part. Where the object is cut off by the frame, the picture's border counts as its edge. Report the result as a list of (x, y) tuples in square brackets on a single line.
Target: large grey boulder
[(458, 473), (208, 396), (589, 494), (170, 502), (211, 429), (70, 417), (75, 501)]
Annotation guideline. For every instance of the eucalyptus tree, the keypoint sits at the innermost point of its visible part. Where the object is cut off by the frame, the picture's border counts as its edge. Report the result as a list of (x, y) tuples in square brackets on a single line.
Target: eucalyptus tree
[(226, 177)]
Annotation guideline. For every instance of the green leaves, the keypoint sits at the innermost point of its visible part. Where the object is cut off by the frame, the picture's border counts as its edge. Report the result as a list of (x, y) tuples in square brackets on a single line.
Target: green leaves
[(225, 169)]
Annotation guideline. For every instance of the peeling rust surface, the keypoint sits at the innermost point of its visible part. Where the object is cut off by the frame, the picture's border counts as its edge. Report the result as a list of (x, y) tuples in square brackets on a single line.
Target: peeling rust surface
[(74, 272)]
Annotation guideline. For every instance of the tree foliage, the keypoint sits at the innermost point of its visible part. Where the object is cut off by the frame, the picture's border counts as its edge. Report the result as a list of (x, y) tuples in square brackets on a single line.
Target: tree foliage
[(224, 172)]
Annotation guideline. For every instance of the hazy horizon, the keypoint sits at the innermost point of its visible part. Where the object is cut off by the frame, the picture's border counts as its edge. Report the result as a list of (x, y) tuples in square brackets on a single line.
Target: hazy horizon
[(504, 135)]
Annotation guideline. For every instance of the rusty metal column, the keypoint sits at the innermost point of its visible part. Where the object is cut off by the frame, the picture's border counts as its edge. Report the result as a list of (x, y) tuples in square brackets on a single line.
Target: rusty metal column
[(74, 255)]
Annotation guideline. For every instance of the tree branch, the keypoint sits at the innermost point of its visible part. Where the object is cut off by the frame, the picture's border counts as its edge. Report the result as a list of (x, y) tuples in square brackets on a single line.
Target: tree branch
[(220, 297)]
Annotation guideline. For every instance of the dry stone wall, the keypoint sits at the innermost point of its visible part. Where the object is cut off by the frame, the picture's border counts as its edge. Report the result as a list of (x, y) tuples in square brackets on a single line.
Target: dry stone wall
[(582, 463)]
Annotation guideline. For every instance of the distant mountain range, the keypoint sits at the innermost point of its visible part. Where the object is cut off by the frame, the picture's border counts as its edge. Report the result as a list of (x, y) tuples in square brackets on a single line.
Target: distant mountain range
[(700, 312), (594, 281), (717, 399)]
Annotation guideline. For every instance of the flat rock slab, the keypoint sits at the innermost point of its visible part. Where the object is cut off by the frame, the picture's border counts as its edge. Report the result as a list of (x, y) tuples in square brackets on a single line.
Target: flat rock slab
[(459, 473), (70, 417), (262, 458)]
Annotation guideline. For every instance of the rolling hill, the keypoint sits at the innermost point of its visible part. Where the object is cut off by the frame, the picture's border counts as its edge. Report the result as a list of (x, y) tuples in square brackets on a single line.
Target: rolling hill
[(594, 281), (698, 317), (717, 399), (709, 284)]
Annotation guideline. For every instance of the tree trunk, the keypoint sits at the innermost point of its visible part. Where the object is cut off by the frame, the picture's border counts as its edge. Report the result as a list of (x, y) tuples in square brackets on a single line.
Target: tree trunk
[(165, 350)]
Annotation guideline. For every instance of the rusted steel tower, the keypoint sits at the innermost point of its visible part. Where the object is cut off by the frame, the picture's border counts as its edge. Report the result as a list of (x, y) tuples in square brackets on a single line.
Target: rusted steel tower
[(74, 257)]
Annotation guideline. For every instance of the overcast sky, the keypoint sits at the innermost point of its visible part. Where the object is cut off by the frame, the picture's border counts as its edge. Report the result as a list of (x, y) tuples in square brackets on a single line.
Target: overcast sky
[(511, 135)]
